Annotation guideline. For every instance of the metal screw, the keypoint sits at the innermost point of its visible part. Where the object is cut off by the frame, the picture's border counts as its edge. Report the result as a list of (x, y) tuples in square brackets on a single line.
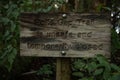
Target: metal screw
[(63, 53), (64, 15)]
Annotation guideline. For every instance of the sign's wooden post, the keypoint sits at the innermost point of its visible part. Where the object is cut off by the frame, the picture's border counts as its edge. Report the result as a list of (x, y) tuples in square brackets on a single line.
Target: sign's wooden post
[(64, 35), (63, 69), (58, 69)]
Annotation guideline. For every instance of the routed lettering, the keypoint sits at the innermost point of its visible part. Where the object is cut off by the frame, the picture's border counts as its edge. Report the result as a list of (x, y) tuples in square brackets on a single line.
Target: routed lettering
[(65, 46)]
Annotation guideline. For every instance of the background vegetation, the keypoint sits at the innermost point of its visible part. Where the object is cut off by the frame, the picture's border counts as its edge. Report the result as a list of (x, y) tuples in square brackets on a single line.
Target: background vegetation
[(14, 67)]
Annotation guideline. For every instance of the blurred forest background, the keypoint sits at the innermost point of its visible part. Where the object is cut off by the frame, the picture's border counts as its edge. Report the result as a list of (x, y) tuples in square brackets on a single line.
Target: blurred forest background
[(15, 67)]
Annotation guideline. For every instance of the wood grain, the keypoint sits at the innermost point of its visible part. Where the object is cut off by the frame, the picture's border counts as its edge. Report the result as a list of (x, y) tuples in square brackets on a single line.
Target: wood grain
[(79, 35), (63, 69)]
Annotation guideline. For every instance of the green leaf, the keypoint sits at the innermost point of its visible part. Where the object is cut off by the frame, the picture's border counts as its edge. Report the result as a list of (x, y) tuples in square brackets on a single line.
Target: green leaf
[(45, 69), (7, 33), (16, 13), (78, 64), (13, 26), (9, 37), (107, 8), (115, 77), (3, 55), (78, 74), (9, 48), (84, 79), (98, 72), (106, 74), (48, 9), (115, 67), (103, 62), (91, 66), (12, 10), (6, 51), (11, 58), (5, 20)]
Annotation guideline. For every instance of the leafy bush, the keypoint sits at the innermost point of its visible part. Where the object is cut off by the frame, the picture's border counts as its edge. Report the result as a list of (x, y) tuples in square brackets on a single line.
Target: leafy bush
[(9, 36), (98, 68), (45, 71), (40, 5)]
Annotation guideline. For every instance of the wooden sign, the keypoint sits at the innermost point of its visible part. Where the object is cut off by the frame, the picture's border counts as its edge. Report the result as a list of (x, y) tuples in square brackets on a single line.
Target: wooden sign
[(64, 35)]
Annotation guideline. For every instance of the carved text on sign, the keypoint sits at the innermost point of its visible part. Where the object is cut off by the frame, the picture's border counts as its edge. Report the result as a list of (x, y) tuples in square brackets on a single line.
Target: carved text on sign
[(64, 34), (65, 46), (53, 21), (78, 35)]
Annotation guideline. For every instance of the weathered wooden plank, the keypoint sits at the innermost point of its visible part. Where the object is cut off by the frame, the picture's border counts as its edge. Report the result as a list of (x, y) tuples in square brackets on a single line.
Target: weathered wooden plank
[(79, 35), (63, 69)]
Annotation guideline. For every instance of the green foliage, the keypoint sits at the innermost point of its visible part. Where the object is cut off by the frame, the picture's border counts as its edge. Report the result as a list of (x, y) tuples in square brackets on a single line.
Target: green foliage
[(45, 71), (98, 68), (40, 5), (9, 35), (115, 41)]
